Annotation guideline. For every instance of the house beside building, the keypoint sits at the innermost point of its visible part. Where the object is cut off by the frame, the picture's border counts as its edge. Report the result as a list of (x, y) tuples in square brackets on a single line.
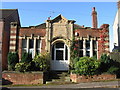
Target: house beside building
[(54, 36)]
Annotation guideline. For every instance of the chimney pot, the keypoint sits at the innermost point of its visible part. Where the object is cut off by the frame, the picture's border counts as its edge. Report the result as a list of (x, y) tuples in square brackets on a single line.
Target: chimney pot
[(93, 9)]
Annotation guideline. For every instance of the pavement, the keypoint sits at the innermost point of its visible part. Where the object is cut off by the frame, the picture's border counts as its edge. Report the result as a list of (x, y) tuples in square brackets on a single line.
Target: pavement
[(111, 85)]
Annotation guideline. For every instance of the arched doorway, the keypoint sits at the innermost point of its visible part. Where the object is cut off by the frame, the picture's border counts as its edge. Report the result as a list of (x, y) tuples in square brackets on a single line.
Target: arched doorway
[(59, 56)]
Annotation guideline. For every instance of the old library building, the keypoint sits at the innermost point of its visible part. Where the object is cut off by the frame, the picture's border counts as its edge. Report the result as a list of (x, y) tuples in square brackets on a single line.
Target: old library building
[(53, 36)]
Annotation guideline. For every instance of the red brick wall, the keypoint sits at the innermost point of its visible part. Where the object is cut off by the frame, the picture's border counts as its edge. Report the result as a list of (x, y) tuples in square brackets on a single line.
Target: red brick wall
[(5, 43), (1, 34), (29, 31), (77, 78), (97, 33), (23, 78)]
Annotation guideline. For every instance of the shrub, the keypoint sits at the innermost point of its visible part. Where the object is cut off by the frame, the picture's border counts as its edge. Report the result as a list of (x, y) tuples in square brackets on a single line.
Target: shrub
[(13, 58), (42, 61), (21, 67), (26, 57), (105, 58), (86, 66), (113, 70), (108, 65)]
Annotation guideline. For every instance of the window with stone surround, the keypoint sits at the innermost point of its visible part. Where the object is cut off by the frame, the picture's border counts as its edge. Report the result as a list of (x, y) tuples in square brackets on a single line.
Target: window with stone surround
[(28, 46), (87, 48), (59, 51)]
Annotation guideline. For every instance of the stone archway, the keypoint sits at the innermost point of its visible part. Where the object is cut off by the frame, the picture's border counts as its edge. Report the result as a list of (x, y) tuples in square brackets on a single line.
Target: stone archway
[(60, 56)]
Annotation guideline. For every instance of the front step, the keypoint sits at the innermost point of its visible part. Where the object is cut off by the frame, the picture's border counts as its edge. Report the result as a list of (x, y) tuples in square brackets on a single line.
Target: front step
[(58, 77)]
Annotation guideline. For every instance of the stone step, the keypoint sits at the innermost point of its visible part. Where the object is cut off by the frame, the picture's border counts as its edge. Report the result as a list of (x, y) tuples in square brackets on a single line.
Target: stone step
[(58, 77)]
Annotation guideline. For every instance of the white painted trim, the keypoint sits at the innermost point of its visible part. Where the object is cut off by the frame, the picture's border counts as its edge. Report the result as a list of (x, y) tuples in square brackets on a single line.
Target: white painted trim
[(91, 47), (84, 47), (40, 45), (34, 46), (97, 48), (27, 44)]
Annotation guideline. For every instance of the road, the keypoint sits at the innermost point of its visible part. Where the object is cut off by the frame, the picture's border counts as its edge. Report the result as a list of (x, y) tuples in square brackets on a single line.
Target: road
[(84, 86)]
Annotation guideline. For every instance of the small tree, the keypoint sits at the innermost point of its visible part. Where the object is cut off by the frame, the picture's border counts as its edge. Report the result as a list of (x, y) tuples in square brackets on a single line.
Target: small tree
[(13, 58), (42, 61)]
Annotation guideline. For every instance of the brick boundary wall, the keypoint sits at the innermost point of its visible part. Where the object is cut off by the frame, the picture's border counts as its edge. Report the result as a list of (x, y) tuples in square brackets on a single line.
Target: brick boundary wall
[(78, 79), (16, 78)]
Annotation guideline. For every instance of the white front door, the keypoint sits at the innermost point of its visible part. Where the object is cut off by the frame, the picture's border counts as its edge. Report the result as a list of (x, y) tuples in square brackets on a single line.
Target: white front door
[(59, 57)]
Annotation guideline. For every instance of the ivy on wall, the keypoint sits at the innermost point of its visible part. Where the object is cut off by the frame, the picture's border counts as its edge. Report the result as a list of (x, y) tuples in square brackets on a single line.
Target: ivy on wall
[(74, 52)]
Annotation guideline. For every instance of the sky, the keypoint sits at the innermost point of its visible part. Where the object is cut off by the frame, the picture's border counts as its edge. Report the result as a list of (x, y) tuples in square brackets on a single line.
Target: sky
[(35, 13)]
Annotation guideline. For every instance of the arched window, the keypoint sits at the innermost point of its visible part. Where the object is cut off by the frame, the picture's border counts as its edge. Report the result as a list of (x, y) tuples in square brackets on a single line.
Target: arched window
[(59, 51)]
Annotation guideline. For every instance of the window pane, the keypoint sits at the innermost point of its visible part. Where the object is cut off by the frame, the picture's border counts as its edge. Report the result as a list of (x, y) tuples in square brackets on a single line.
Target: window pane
[(80, 44), (37, 43), (94, 53), (80, 53), (59, 45), (24, 43), (53, 52), (66, 53), (87, 44), (88, 53), (31, 43), (37, 52), (94, 44), (59, 54), (24, 50)]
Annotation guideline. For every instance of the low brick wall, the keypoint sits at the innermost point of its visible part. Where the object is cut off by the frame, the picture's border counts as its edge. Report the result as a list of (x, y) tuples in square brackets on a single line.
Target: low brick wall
[(23, 78), (81, 78)]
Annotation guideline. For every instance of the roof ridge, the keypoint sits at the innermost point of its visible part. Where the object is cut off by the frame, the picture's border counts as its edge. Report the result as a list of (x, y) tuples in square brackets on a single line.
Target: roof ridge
[(8, 9)]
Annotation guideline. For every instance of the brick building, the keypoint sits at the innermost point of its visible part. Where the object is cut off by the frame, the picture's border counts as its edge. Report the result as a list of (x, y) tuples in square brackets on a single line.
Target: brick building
[(8, 16), (55, 36)]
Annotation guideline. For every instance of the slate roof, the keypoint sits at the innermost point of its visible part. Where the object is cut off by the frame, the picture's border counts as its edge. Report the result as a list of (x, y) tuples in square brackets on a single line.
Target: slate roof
[(76, 26), (8, 13), (41, 26)]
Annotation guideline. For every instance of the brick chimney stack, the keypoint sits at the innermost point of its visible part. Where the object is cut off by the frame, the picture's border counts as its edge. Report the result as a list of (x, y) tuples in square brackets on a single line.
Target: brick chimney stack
[(94, 18)]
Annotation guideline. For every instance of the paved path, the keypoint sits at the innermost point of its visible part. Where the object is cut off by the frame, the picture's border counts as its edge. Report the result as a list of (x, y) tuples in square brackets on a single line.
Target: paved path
[(110, 84)]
